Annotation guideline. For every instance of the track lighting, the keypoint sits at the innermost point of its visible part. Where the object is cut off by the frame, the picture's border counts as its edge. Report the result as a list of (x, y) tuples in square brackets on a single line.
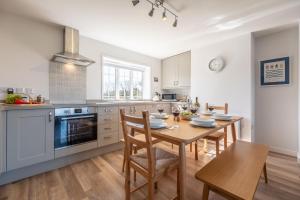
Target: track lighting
[(175, 22), (135, 2), (159, 4), (164, 16), (151, 11)]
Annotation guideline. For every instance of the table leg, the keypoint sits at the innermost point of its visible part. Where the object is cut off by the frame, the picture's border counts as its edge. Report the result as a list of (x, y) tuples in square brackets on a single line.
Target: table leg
[(182, 171), (205, 192), (265, 173), (233, 132)]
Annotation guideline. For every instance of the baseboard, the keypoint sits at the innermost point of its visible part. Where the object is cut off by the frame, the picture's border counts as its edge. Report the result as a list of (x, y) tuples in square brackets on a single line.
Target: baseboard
[(284, 151)]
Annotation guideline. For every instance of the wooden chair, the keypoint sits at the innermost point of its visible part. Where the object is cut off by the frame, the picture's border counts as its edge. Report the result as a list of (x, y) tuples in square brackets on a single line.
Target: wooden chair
[(135, 148), (152, 163), (217, 136)]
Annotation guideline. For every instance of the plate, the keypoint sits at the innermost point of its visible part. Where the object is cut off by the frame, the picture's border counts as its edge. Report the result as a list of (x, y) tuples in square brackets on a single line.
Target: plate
[(208, 113), (224, 117), (158, 126), (203, 120), (205, 125)]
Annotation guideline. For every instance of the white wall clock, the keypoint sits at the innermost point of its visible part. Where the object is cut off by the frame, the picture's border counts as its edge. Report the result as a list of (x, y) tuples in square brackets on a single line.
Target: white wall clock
[(216, 64)]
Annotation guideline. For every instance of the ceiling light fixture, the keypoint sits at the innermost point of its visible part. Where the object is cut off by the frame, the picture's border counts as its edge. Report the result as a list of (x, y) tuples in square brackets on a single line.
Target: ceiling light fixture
[(175, 22), (135, 2), (164, 16), (151, 11), (158, 4)]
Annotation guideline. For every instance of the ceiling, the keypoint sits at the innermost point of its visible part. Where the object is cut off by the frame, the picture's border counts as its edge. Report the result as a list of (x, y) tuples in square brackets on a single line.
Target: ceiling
[(200, 22)]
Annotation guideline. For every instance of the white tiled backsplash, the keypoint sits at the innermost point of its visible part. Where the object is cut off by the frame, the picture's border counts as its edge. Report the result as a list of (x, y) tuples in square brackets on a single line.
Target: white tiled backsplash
[(67, 83)]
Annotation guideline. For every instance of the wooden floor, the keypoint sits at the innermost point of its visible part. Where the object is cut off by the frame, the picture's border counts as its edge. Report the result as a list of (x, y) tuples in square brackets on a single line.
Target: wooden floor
[(101, 178)]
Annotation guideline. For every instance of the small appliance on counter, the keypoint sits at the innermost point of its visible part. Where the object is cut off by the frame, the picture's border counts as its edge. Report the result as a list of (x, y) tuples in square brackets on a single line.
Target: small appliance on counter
[(168, 97)]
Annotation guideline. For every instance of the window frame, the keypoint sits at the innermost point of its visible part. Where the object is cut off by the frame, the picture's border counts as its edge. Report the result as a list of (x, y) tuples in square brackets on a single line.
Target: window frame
[(107, 61)]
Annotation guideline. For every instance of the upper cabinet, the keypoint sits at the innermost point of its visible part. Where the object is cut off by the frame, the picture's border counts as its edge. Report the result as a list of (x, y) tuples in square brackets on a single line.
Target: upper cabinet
[(176, 71), (30, 137)]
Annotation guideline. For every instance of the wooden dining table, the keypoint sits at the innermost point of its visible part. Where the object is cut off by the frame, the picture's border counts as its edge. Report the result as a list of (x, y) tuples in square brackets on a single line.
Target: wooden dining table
[(186, 134)]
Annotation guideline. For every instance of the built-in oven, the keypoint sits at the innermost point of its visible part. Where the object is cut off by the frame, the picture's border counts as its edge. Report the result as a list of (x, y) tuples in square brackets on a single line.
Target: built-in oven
[(168, 97), (75, 127)]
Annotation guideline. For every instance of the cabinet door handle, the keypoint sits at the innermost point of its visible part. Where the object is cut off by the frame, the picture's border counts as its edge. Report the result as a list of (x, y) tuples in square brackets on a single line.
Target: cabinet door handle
[(50, 116), (107, 128), (108, 119), (107, 137), (134, 110)]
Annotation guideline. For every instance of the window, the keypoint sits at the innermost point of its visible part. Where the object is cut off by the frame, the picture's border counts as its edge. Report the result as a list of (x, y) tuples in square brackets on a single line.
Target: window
[(123, 81)]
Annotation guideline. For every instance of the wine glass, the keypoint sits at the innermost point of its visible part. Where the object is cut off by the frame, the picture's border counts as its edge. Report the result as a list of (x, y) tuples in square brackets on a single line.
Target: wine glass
[(184, 107), (160, 109), (211, 108), (175, 112), (194, 109)]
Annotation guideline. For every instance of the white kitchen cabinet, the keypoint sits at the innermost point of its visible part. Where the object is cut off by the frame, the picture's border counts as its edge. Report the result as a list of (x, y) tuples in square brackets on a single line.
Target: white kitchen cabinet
[(30, 137), (176, 71), (169, 72)]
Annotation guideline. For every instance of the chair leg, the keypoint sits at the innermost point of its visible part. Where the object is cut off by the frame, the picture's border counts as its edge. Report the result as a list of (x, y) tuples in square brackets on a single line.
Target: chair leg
[(124, 160), (156, 185), (178, 184), (205, 192), (225, 140), (134, 172), (196, 150), (150, 189), (205, 145), (127, 181), (217, 147), (265, 173), (172, 146), (191, 147)]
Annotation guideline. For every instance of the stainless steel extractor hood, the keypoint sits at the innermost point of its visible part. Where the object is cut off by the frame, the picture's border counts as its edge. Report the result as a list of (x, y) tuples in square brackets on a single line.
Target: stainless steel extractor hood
[(71, 50)]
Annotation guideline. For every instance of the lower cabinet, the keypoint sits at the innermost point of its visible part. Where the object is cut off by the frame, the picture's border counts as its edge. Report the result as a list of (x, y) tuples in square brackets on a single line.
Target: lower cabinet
[(30, 137), (108, 125), (2, 142)]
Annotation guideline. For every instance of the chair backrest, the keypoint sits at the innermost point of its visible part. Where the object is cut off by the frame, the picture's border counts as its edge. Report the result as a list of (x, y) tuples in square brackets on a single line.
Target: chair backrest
[(140, 125), (224, 108)]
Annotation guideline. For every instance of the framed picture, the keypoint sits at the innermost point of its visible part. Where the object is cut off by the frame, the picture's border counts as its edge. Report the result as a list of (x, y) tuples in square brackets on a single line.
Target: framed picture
[(275, 71)]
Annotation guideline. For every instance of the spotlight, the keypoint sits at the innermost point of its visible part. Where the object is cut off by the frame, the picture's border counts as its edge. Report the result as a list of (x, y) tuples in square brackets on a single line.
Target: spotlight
[(135, 2), (175, 22), (164, 16), (151, 11)]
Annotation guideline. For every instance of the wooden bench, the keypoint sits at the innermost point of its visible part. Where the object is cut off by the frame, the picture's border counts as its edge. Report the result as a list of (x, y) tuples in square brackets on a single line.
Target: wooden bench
[(235, 173)]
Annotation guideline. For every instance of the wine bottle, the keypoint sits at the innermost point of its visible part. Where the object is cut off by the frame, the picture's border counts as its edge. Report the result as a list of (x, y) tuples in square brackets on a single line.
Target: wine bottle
[(197, 104)]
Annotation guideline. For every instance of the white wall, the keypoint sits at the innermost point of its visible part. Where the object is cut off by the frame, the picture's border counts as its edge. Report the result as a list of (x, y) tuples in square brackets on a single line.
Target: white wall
[(277, 106), (95, 50), (26, 48), (232, 85)]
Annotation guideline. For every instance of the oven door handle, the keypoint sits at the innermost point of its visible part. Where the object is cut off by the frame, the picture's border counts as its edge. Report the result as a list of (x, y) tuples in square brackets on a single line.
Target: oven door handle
[(79, 117)]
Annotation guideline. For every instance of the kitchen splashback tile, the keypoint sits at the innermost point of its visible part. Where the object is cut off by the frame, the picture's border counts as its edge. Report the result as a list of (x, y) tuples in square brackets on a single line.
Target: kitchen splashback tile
[(67, 83)]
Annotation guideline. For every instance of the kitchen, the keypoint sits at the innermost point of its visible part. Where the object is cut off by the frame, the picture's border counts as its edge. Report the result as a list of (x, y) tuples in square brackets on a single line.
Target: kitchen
[(116, 73)]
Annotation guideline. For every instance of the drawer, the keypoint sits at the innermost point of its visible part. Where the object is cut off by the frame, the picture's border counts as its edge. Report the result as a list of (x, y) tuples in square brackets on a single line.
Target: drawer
[(110, 138), (108, 109), (108, 128), (108, 118)]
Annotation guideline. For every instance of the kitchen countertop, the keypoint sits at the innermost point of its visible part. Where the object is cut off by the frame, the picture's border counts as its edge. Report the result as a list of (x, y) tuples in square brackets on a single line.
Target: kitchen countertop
[(5, 107)]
